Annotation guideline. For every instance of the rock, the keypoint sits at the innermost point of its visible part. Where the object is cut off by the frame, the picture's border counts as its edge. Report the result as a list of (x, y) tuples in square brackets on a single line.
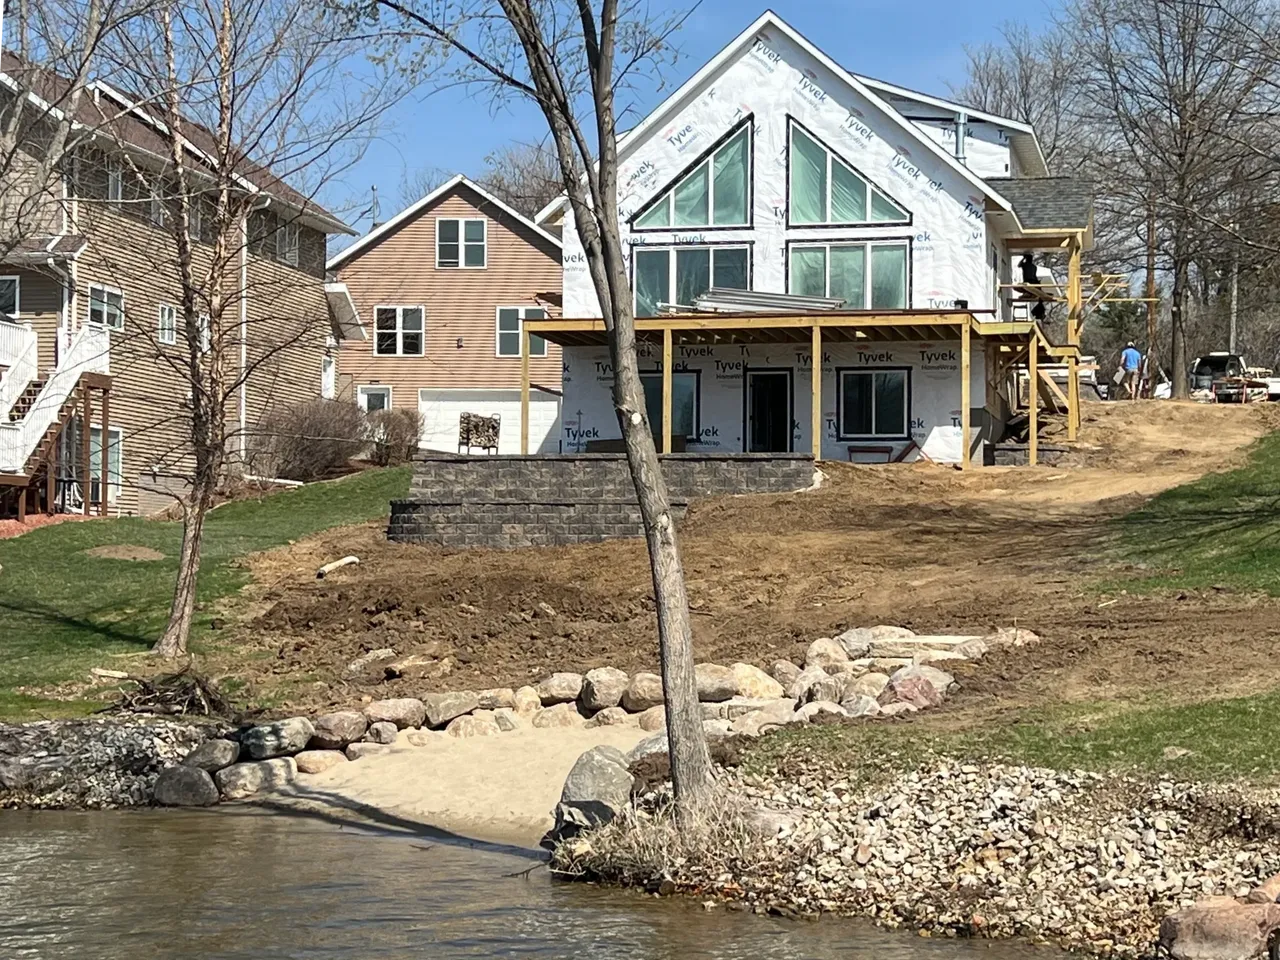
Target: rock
[(473, 726), (648, 747), (559, 715), (811, 710), (823, 652), (754, 683), (366, 660), (785, 672), (909, 647), (603, 687), (889, 664), (1266, 892), (655, 718), (597, 789), (527, 701), (404, 712), (868, 685), (860, 705), (212, 755), (422, 738), (643, 692), (413, 667), (761, 721), (932, 657), (1011, 637), (1220, 929), (847, 671), (443, 707), (855, 642), (335, 730), (916, 691), (771, 823), (318, 761), (496, 698), (974, 649), (885, 632), (508, 719), (715, 729), (186, 785), (816, 684), (739, 706), (384, 731), (896, 708), (1175, 753), (559, 688), (610, 717), (715, 683), (355, 751), (242, 780), (940, 680), (277, 739)]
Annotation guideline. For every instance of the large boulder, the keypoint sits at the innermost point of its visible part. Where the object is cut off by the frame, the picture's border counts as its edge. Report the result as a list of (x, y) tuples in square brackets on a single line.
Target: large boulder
[(318, 761), (855, 642), (355, 751), (559, 715), (940, 680), (1011, 637), (473, 726), (811, 710), (384, 731), (527, 701), (185, 785), (860, 705), (917, 691), (974, 649), (1220, 928), (603, 688), (823, 653), (867, 685), (757, 722), (715, 683), (610, 717), (277, 739), (443, 707), (212, 755), (597, 789), (885, 632), (644, 691), (241, 780), (655, 718), (335, 730), (496, 698), (908, 647), (508, 719), (785, 672), (648, 747), (816, 684), (559, 688), (404, 712), (754, 683)]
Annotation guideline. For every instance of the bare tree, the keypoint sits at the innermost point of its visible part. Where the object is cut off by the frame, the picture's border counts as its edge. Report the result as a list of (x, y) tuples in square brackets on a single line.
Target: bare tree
[(524, 175), (571, 59)]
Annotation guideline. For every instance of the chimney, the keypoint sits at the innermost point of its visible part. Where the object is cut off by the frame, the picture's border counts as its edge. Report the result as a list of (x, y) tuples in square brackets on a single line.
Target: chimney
[(962, 127)]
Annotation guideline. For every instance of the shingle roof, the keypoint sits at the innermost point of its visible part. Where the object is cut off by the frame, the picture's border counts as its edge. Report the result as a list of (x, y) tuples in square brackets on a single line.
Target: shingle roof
[(1048, 203)]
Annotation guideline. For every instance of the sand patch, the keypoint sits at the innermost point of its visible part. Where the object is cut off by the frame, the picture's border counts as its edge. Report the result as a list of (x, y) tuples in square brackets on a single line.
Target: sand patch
[(125, 551)]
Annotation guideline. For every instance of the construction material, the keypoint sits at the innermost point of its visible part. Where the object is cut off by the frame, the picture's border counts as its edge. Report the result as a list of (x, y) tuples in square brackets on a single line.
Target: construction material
[(328, 568)]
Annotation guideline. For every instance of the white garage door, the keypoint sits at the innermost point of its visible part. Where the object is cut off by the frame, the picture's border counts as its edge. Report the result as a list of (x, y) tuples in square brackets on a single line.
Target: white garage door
[(440, 410)]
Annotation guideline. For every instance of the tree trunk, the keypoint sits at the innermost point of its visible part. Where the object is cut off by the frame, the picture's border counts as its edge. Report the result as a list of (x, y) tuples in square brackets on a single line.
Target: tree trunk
[(173, 643), (1178, 345)]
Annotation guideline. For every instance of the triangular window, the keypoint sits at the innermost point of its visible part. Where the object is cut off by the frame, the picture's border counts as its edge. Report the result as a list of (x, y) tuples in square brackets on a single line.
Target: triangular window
[(825, 189), (715, 193)]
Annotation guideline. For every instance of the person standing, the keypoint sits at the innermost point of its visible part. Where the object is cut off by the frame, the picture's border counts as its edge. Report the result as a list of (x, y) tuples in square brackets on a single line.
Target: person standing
[(1131, 367)]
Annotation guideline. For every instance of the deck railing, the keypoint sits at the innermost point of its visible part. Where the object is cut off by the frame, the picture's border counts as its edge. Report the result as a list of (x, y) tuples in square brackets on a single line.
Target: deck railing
[(18, 353)]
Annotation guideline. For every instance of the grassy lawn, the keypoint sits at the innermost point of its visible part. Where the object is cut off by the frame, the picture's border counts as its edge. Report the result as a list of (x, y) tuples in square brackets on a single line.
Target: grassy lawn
[(64, 611), (1222, 529)]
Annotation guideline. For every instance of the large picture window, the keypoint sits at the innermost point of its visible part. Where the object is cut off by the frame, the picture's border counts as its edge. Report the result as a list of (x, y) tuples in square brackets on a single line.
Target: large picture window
[(679, 275), (510, 322), (866, 276), (684, 403), (825, 189), (715, 193), (398, 331), (873, 404)]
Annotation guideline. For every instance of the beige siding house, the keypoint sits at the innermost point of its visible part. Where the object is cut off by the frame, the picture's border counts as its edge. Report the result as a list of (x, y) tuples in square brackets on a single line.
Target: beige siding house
[(444, 288)]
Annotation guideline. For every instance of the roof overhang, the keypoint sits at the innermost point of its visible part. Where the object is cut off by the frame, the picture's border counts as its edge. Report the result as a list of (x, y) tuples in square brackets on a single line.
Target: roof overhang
[(343, 314)]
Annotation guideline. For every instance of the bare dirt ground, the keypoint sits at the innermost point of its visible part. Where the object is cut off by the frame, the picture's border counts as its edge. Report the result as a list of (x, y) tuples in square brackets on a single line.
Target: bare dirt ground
[(927, 547)]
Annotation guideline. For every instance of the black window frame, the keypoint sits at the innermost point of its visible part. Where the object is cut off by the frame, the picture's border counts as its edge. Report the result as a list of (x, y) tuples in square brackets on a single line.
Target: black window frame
[(697, 402), (841, 436)]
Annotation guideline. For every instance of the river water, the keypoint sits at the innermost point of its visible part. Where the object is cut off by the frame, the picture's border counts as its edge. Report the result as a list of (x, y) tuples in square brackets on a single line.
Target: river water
[(154, 885)]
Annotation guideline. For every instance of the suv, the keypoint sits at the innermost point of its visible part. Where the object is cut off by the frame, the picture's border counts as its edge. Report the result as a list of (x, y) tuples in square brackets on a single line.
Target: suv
[(1214, 367)]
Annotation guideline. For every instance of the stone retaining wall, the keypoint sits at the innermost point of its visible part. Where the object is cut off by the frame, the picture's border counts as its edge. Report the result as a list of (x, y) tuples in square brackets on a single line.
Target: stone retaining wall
[(548, 500)]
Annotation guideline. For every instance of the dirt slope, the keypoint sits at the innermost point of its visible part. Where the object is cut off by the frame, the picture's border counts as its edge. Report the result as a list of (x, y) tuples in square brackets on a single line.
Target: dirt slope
[(932, 548)]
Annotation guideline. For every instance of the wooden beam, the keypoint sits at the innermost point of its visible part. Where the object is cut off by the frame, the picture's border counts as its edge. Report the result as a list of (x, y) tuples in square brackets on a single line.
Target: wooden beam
[(86, 419), (1033, 405), (711, 322), (966, 437), (104, 483), (524, 389), (1051, 391), (815, 375), (51, 474), (1075, 323), (666, 391)]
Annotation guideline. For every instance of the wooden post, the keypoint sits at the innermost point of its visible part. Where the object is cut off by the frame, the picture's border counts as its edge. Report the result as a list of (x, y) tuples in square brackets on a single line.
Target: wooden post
[(105, 483), (22, 504), (86, 419), (966, 401), (524, 391), (51, 475), (1075, 305), (815, 368), (1033, 401), (666, 389)]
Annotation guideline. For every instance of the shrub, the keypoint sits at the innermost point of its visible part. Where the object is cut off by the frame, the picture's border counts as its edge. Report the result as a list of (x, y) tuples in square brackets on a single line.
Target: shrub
[(394, 436), (308, 441)]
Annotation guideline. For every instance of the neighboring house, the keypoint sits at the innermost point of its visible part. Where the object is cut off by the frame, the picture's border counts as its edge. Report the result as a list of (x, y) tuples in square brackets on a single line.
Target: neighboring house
[(93, 325), (776, 203), (445, 287)]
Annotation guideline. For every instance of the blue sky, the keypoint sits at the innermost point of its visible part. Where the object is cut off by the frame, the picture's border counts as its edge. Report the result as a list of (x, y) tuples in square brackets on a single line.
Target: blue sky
[(915, 43)]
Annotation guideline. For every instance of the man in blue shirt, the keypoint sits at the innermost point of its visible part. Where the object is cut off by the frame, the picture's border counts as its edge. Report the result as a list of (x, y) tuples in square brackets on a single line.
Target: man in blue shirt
[(1131, 366)]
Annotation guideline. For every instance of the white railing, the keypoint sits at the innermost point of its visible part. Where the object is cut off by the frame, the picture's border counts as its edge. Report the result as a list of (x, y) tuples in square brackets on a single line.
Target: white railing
[(90, 352), (18, 354)]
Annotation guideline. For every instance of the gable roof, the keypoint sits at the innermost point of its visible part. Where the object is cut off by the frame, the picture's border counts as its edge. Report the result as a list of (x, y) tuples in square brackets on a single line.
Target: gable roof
[(1049, 203), (770, 19), (411, 211)]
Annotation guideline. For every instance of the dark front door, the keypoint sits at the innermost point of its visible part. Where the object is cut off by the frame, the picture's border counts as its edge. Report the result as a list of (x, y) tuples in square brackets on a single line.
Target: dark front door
[(768, 411)]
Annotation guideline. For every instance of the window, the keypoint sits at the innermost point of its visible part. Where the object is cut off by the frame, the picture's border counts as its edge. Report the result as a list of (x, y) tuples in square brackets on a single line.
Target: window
[(825, 189), (684, 403), (115, 181), (195, 219), (679, 275), (460, 243), (167, 328), (287, 244), (9, 299), (205, 326), (872, 404), (106, 306), (398, 331), (328, 378), (70, 440), (159, 214), (716, 193), (373, 399), (510, 320), (839, 270)]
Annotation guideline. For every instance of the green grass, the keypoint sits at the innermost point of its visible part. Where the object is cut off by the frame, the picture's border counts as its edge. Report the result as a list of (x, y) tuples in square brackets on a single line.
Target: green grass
[(1223, 529), (63, 611)]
